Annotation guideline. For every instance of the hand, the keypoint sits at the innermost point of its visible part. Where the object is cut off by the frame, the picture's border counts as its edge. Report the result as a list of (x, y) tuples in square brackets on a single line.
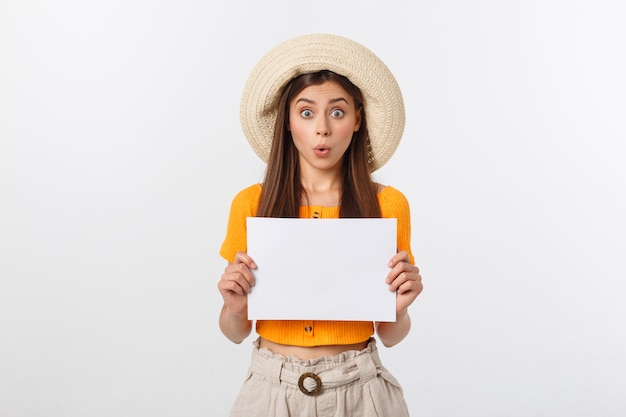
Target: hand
[(405, 279), (237, 282)]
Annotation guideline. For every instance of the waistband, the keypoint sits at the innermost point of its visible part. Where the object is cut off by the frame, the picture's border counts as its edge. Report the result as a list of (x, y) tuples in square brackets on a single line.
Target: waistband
[(315, 375)]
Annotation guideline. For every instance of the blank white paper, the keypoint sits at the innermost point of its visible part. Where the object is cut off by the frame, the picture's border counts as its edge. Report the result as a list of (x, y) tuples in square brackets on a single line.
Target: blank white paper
[(321, 269)]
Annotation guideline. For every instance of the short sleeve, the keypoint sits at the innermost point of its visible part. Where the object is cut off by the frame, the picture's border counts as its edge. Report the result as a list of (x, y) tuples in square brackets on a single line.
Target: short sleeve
[(393, 204), (244, 205)]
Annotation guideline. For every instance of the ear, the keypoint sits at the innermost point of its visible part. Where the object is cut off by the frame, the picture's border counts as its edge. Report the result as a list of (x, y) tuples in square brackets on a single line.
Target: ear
[(357, 123)]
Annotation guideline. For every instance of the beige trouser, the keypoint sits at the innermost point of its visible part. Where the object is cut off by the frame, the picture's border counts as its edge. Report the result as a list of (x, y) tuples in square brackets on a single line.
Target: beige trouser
[(353, 383)]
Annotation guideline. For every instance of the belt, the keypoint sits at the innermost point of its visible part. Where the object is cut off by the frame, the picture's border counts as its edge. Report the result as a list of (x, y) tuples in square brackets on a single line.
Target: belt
[(361, 367)]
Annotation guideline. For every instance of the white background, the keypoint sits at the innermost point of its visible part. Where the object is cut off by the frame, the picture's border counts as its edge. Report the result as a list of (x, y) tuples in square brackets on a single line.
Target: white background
[(121, 151)]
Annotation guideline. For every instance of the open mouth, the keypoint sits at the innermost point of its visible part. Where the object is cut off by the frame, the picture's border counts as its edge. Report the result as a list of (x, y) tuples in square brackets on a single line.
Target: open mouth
[(322, 150)]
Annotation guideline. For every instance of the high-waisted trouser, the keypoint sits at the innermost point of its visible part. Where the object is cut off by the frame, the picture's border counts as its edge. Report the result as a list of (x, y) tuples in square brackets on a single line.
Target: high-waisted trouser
[(353, 383)]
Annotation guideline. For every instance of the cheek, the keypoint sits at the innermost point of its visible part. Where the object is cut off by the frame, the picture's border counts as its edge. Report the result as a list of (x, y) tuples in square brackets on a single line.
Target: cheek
[(299, 130), (298, 137), (346, 131), (297, 133)]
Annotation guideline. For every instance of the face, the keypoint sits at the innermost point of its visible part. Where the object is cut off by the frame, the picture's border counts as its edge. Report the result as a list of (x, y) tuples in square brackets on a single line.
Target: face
[(322, 120)]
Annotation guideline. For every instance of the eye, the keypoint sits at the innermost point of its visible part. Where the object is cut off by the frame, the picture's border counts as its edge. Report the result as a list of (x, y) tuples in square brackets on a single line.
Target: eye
[(337, 113), (306, 113)]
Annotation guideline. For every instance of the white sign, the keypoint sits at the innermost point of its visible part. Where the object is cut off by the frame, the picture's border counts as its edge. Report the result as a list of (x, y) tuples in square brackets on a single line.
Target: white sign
[(321, 269)]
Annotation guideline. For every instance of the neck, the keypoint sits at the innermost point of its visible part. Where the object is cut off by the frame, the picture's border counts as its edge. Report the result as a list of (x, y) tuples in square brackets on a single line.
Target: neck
[(316, 180), (321, 190)]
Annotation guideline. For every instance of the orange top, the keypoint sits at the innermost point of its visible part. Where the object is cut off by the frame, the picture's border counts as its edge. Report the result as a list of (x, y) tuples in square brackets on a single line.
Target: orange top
[(392, 203)]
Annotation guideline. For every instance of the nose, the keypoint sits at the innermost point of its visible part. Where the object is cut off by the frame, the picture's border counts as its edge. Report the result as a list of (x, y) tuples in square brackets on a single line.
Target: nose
[(322, 128)]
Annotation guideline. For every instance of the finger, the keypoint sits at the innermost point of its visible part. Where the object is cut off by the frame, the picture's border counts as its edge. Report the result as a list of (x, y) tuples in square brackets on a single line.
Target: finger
[(398, 269), (244, 258), (243, 271), (410, 286), (226, 286), (397, 281), (241, 268), (402, 256), (406, 276), (240, 273)]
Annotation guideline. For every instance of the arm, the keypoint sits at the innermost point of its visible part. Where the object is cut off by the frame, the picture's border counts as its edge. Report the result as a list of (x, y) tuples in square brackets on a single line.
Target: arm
[(392, 333), (405, 279), (235, 285)]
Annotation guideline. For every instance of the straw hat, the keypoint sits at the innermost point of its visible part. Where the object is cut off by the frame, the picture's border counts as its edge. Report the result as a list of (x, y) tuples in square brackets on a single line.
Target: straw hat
[(384, 107)]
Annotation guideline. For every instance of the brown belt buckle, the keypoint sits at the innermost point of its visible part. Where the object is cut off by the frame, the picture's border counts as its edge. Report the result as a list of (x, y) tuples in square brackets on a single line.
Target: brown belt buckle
[(318, 383)]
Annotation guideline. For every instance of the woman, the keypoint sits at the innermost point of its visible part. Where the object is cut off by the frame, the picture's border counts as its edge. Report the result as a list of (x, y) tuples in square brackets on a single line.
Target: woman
[(324, 112)]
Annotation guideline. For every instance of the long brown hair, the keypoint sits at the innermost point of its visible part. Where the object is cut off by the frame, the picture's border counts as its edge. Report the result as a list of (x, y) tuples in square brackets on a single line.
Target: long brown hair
[(282, 190)]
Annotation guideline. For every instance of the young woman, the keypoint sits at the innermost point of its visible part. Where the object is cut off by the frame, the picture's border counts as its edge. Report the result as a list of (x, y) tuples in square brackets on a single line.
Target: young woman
[(324, 112)]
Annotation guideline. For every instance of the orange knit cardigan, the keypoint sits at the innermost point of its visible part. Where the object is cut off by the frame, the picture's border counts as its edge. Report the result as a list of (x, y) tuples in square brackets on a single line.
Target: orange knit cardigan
[(393, 204)]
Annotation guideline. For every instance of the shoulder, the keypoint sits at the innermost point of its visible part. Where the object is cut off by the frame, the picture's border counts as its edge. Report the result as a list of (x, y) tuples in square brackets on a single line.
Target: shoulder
[(389, 194), (248, 198), (250, 192), (392, 201)]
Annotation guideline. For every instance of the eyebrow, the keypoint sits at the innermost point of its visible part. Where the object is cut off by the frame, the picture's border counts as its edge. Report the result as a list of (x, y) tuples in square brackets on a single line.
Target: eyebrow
[(332, 101)]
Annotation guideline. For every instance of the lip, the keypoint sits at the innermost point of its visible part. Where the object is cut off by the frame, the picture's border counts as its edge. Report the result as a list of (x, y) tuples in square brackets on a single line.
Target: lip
[(321, 151)]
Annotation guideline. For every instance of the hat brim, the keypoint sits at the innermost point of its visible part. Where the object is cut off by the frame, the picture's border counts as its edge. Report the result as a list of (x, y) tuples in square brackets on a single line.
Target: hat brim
[(384, 106)]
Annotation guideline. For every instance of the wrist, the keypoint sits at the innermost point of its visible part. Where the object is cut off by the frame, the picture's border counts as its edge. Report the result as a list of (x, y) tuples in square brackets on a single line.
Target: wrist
[(402, 314), (236, 314)]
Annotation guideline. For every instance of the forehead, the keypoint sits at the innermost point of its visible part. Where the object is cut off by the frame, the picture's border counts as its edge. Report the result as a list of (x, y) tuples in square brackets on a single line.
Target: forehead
[(326, 91)]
